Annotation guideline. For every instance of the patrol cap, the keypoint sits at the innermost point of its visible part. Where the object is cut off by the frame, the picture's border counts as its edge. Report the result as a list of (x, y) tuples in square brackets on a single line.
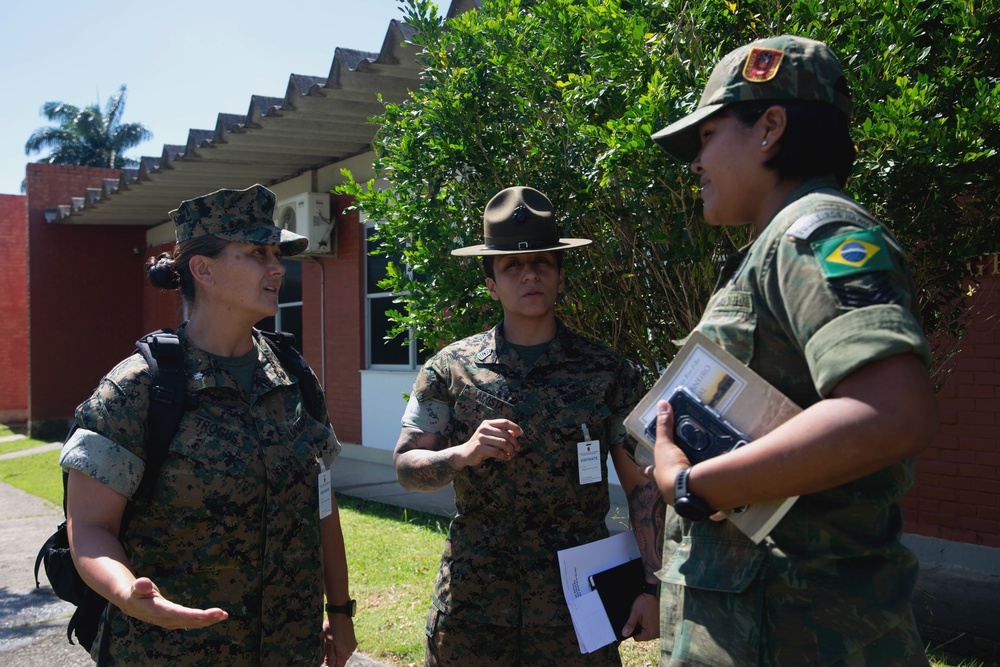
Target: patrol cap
[(787, 67), (242, 216), (516, 220)]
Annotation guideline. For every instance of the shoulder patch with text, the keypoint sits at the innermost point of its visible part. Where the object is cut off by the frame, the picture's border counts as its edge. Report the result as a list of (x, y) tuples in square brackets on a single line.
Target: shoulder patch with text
[(810, 223)]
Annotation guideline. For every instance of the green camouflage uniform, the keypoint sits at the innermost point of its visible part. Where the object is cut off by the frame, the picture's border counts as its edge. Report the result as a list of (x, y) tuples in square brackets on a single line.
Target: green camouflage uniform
[(823, 291), (500, 563), (233, 521)]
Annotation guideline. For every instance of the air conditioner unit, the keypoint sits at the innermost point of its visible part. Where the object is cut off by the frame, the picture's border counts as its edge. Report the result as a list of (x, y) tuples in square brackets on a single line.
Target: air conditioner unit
[(308, 214)]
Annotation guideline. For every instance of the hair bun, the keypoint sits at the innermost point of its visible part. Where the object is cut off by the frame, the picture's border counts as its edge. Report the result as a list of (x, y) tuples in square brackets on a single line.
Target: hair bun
[(162, 273)]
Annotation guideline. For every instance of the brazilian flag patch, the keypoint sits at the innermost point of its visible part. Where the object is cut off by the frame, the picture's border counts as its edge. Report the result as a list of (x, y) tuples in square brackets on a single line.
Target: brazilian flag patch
[(859, 251)]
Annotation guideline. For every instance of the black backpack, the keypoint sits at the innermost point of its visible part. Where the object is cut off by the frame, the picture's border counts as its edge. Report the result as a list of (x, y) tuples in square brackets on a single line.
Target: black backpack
[(168, 401)]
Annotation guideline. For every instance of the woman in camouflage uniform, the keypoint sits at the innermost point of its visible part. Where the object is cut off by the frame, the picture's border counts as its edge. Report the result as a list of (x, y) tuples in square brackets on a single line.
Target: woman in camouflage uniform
[(227, 559), (522, 420), (821, 304)]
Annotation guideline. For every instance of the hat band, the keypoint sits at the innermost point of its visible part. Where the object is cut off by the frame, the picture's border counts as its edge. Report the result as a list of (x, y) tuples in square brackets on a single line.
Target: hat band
[(520, 245)]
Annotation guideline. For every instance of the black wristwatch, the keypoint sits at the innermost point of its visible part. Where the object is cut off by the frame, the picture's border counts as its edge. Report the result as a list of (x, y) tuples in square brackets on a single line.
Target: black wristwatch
[(686, 505), (651, 589), (349, 608)]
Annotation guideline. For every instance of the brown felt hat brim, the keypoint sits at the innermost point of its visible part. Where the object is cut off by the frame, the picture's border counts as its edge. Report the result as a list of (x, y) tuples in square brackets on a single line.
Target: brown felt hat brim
[(482, 250)]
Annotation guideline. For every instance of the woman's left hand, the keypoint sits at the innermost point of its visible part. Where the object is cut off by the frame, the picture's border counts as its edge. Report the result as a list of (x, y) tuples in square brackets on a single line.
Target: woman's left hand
[(338, 640), (643, 623)]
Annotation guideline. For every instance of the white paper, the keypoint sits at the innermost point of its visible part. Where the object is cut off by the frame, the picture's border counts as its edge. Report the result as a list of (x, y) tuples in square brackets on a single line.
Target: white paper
[(576, 565), (593, 629)]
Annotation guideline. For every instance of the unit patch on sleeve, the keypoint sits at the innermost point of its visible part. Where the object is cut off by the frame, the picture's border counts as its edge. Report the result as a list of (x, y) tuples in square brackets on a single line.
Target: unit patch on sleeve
[(858, 251)]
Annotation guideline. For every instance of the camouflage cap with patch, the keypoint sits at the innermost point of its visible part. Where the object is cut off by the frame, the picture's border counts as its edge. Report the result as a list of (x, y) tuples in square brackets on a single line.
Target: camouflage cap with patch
[(787, 67), (242, 216)]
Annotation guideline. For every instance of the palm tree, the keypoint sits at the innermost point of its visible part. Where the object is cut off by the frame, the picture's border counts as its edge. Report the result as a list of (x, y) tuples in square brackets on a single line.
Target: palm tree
[(87, 137)]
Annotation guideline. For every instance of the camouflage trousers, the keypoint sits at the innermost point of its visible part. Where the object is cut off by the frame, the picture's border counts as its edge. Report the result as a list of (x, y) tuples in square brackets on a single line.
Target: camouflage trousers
[(900, 647), (452, 642)]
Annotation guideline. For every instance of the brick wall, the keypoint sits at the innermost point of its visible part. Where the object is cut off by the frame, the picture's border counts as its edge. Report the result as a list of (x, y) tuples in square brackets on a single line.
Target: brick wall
[(13, 310), (85, 287), (957, 491), (337, 283)]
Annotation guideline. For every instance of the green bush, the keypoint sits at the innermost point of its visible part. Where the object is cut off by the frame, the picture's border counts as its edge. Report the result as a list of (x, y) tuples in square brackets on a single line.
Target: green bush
[(563, 95)]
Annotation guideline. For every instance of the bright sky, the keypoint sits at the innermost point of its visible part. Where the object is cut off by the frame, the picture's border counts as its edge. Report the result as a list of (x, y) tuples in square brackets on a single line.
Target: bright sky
[(184, 61)]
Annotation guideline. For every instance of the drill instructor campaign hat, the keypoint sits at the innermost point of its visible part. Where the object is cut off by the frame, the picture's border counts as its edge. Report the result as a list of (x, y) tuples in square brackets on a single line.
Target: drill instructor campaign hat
[(787, 67), (242, 216), (519, 219)]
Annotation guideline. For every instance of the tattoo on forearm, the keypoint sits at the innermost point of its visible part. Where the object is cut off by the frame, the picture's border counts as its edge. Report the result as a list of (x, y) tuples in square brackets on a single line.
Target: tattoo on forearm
[(422, 464), (647, 511)]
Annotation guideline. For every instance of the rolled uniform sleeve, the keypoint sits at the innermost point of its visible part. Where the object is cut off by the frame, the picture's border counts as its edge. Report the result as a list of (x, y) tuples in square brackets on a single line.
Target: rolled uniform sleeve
[(428, 416), (108, 444), (103, 460), (430, 405), (859, 337), (842, 323)]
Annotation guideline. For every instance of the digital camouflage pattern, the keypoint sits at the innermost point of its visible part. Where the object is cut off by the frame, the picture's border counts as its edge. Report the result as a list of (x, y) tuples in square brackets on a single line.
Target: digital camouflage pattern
[(242, 216), (233, 520), (499, 564), (833, 579), (787, 67), (454, 642)]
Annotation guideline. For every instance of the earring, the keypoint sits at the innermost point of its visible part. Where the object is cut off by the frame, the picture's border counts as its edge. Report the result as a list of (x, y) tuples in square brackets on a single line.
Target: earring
[(764, 143)]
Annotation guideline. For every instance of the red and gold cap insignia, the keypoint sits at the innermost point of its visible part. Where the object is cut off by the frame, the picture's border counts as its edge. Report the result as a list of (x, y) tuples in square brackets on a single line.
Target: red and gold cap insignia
[(762, 64)]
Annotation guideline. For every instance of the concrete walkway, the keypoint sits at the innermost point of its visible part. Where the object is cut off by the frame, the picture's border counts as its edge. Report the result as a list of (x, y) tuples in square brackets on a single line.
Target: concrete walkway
[(32, 621)]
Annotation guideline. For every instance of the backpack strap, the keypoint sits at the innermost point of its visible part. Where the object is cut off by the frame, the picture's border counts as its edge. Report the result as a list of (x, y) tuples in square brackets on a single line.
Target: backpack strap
[(283, 345), (168, 399)]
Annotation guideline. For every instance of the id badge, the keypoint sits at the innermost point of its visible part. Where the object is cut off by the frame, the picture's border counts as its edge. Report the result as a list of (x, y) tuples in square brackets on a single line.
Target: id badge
[(588, 459), (325, 485)]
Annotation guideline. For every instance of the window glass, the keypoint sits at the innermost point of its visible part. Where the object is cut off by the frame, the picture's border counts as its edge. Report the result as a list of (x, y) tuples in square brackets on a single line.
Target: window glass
[(289, 317), (384, 351), (291, 282), (377, 265), (381, 352)]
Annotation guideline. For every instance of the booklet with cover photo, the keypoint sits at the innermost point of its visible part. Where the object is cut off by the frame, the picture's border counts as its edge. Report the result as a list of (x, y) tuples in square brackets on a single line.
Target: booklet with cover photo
[(727, 405)]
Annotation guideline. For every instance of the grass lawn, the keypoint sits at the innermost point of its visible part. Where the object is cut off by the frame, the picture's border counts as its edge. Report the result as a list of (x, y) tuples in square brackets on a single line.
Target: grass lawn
[(18, 445), (393, 558), (38, 474)]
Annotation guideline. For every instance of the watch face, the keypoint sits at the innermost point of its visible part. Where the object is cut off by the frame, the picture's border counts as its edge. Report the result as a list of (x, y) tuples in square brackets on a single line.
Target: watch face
[(691, 509)]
